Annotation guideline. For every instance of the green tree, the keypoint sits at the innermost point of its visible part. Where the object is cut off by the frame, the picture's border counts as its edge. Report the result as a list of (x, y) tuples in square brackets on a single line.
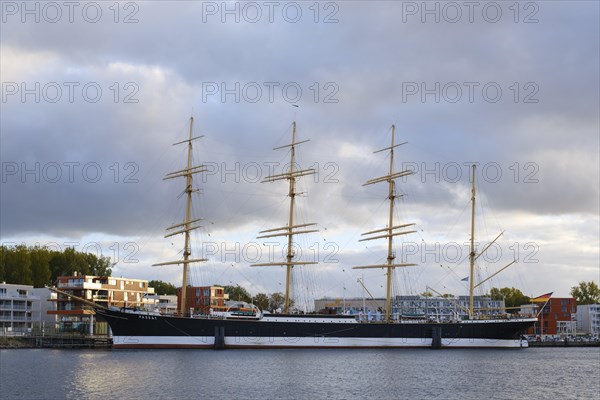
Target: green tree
[(40, 266), (3, 251), (163, 288), (68, 262), (427, 294), (16, 264), (261, 300), (586, 293), (237, 293), (512, 297), (100, 266)]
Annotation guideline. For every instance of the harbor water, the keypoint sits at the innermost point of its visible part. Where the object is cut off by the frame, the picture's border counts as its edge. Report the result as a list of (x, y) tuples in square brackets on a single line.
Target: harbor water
[(534, 373)]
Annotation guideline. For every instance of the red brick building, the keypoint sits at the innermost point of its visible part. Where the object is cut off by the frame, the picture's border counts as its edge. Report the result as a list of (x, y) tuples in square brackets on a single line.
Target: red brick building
[(203, 298), (557, 317)]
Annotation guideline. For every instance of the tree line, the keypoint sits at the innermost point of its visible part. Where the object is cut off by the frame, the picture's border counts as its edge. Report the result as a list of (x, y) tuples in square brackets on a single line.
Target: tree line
[(41, 266), (584, 293)]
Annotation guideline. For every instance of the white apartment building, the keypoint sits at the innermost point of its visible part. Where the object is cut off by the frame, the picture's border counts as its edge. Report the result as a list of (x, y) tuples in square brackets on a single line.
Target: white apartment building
[(22, 308), (588, 319), (413, 306), (18, 304)]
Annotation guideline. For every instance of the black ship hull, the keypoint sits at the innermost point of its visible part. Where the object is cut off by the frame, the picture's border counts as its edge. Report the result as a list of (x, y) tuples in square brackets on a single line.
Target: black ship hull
[(140, 330)]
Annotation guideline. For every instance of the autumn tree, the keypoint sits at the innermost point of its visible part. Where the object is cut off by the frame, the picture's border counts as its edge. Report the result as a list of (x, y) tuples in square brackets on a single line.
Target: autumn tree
[(277, 300), (261, 300), (586, 293)]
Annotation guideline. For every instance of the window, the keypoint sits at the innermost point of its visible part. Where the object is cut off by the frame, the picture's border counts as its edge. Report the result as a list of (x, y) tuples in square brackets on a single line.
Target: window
[(206, 292)]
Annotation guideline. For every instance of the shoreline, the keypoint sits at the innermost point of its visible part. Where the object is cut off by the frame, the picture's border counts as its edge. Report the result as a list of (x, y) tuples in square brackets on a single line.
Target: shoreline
[(55, 342)]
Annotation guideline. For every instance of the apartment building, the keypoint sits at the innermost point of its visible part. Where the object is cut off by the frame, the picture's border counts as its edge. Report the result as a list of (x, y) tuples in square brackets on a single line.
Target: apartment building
[(203, 299), (557, 317), (442, 308), (18, 308), (588, 319), (107, 291)]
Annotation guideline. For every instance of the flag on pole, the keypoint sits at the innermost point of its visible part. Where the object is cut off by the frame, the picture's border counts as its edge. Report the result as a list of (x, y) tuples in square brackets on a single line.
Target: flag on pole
[(541, 299)]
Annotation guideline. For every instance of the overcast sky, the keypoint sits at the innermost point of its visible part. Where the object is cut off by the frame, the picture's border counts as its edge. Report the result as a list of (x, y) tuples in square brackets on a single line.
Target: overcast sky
[(94, 95)]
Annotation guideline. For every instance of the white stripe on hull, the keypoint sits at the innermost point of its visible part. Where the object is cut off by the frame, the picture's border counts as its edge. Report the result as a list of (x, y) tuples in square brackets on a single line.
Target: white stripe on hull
[(132, 342), (305, 342)]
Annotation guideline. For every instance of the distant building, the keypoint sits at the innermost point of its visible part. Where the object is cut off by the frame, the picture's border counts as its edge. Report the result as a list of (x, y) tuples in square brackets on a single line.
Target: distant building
[(447, 307), (413, 306), (201, 299), (350, 305), (165, 304), (558, 317), (588, 319), (107, 291)]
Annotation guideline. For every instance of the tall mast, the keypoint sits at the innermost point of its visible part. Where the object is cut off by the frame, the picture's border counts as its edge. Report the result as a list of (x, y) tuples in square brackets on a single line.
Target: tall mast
[(290, 229), (390, 231), (188, 224), (292, 194), (390, 255), (472, 252), (473, 256), (188, 210)]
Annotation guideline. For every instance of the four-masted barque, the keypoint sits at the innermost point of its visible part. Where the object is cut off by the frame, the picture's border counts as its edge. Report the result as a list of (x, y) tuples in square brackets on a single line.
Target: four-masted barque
[(141, 329)]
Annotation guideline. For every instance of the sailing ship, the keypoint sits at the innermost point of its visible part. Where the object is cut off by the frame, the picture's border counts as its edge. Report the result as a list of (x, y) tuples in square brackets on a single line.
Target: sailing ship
[(245, 326)]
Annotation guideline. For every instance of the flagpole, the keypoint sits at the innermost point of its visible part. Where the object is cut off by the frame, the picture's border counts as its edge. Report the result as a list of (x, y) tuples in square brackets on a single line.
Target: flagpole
[(542, 320)]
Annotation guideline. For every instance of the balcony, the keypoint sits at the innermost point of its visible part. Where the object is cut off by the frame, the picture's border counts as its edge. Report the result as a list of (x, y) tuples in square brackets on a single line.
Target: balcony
[(92, 285), (14, 318), (20, 308)]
